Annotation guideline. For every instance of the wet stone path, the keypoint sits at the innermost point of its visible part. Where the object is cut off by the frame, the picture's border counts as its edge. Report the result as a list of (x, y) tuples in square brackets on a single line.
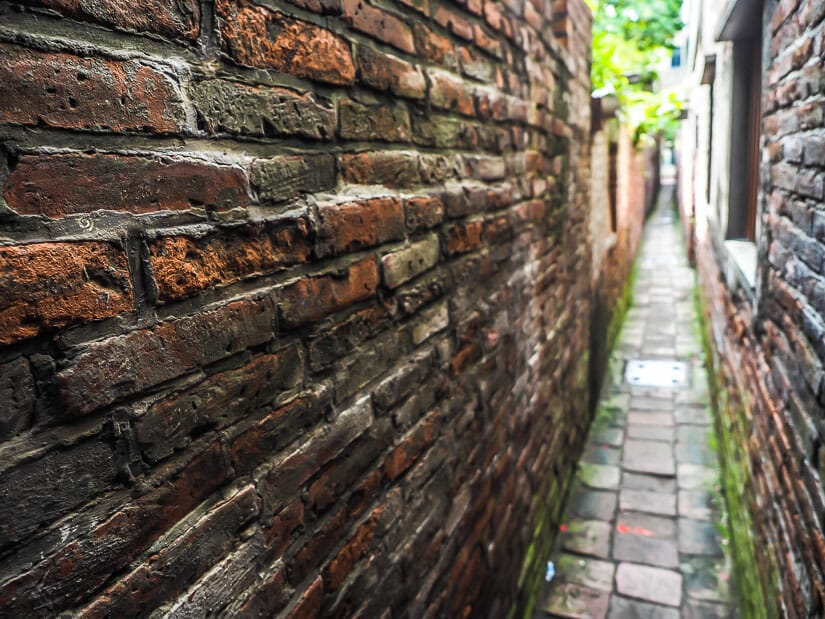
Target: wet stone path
[(641, 535)]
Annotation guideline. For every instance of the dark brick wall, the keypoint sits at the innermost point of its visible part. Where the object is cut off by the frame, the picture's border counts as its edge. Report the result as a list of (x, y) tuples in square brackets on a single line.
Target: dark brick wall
[(294, 303), (770, 347)]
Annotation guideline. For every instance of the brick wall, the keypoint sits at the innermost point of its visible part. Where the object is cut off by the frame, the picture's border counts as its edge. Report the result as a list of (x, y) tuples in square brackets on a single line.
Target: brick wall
[(768, 346), (294, 303)]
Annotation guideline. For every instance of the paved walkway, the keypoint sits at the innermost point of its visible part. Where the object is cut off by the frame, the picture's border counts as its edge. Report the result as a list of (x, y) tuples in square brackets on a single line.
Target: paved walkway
[(641, 535)]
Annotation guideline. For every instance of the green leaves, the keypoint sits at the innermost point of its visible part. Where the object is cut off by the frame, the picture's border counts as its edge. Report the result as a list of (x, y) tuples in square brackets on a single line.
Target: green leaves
[(631, 38)]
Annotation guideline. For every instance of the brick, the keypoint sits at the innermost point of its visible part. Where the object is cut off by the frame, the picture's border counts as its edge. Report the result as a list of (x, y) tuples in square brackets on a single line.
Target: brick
[(392, 169), (462, 238), (59, 185), (453, 22), (111, 369), (311, 298), (17, 397), (423, 213), (38, 492), (412, 445), (66, 576), (324, 7), (434, 47), (345, 336), (353, 226), (270, 434), (387, 123), (169, 18), (48, 286), (285, 177), (229, 107), (258, 37), (309, 604), (183, 266), (429, 322), (449, 92), (340, 476), (180, 562), (70, 92), (379, 24), (405, 264), (320, 447), (221, 400), (388, 73)]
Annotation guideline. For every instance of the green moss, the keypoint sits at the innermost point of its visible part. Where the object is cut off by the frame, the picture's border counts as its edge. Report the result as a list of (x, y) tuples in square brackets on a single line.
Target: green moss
[(754, 589)]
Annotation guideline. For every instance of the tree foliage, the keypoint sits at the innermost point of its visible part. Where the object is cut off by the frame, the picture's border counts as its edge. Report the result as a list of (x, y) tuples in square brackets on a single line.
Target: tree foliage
[(631, 38)]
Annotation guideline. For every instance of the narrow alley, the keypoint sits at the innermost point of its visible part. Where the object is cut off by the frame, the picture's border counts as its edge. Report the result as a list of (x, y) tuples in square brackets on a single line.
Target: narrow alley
[(642, 534)]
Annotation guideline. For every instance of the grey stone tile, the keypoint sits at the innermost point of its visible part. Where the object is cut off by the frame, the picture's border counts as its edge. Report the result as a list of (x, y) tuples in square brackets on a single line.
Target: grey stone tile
[(705, 610), (696, 504), (699, 537), (646, 501), (652, 584), (587, 537), (598, 454), (647, 524), (650, 419), (707, 580), (612, 437), (624, 608), (640, 481), (576, 602), (648, 457), (695, 416), (695, 476), (592, 504), (590, 573), (645, 549), (649, 432), (600, 476)]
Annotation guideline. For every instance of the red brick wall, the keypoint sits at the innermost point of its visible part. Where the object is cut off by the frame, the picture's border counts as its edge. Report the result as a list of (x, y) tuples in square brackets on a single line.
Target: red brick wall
[(769, 349), (293, 302)]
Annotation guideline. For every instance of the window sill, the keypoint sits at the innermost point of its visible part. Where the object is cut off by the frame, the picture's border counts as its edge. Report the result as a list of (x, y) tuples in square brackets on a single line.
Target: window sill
[(740, 270)]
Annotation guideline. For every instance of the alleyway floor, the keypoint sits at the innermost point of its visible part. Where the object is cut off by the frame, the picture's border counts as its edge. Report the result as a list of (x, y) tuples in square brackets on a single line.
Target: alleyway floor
[(642, 534)]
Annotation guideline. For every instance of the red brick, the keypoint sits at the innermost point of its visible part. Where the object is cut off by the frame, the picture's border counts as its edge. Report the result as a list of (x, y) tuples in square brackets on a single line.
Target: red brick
[(108, 370), (391, 168), (356, 225), (258, 37), (70, 92), (67, 184), (379, 24), (224, 398), (465, 237), (279, 532), (183, 266), (449, 92), (48, 286), (324, 7), (287, 176), (311, 298), (229, 107), (356, 547), (386, 123), (410, 261), (309, 604), (178, 563), (423, 213), (274, 431), (412, 445), (385, 72), (84, 564), (434, 47), (177, 19), (453, 22)]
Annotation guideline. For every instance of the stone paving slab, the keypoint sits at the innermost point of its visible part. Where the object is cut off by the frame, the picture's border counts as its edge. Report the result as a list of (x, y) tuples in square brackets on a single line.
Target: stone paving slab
[(641, 535)]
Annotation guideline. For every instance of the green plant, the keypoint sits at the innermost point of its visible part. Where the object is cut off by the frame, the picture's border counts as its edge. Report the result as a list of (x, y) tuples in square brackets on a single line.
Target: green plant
[(630, 39)]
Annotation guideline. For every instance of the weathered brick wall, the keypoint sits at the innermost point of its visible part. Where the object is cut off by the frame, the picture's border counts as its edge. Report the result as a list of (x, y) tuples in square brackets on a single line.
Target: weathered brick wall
[(769, 349), (294, 303)]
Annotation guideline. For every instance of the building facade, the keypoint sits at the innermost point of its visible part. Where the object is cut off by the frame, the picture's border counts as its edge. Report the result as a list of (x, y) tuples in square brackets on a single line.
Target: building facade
[(751, 190)]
